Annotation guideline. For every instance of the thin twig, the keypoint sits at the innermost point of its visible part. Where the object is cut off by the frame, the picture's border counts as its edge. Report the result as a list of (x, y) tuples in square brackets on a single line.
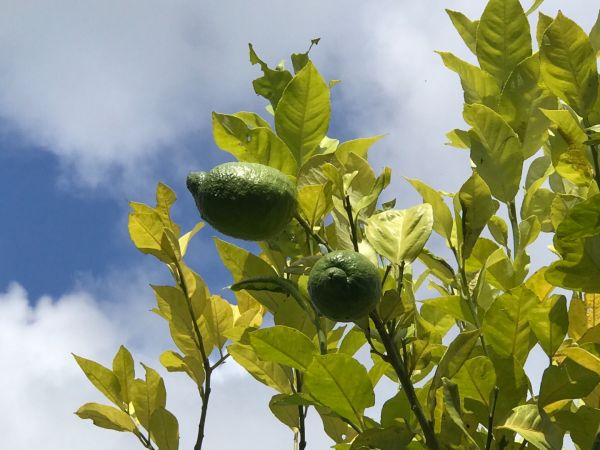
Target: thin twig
[(205, 392), (308, 229), (490, 432), (301, 412)]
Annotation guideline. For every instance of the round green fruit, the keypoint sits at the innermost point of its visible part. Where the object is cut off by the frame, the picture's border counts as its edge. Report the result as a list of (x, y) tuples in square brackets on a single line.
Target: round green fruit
[(344, 285), (244, 200)]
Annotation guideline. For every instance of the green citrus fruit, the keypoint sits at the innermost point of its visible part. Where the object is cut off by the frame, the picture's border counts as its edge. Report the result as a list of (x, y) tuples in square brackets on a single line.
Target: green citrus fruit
[(344, 285), (244, 200)]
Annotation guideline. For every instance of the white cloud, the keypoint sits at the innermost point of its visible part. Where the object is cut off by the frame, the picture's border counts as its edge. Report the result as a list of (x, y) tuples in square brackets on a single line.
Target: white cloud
[(116, 88)]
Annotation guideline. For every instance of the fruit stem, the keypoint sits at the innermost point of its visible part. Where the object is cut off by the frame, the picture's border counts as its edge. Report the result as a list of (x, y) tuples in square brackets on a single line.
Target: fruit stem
[(512, 214), (348, 208), (304, 224), (394, 358)]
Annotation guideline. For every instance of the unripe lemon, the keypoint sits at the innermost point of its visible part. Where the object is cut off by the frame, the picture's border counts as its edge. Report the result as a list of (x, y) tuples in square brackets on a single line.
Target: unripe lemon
[(244, 200), (344, 285)]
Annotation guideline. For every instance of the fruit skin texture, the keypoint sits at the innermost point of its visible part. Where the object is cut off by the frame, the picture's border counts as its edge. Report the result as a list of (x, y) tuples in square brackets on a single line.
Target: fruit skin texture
[(244, 200), (344, 285)]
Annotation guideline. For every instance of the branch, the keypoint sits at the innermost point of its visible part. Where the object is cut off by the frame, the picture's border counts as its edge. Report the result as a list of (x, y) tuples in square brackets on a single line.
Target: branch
[(395, 360), (205, 393)]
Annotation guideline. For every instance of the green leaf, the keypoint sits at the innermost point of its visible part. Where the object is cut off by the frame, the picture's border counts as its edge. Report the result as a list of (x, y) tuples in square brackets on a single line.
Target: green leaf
[(544, 22), (102, 378), (577, 240), (503, 38), (341, 383), (478, 86), (173, 361), (452, 408), (477, 208), (217, 319), (566, 381), (477, 379), (567, 126), (165, 198), (527, 421), (453, 305), (272, 84), (358, 146), (582, 357), (242, 264), (595, 35), (466, 28), (314, 202), (455, 356), (147, 396), (495, 151), (185, 239), (583, 425), (580, 267), (442, 218), (106, 417), (498, 230), (506, 327), (549, 321), (520, 103), (283, 345), (458, 138), (256, 145), (568, 64), (173, 307), (123, 368), (536, 4), (287, 413), (146, 230), (395, 437), (583, 220), (302, 115), (268, 373), (400, 235), (512, 382), (165, 429)]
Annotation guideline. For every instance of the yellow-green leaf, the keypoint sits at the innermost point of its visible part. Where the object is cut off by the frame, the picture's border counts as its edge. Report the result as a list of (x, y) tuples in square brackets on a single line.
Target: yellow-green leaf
[(106, 417), (164, 429), (269, 373), (478, 86), (495, 151), (314, 202), (549, 321), (568, 64), (466, 28), (503, 38), (527, 421), (302, 114), (123, 368), (283, 345), (252, 144), (341, 383), (102, 378)]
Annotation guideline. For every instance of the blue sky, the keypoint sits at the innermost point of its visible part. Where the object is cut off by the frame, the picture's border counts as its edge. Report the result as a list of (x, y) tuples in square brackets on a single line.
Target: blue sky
[(101, 100)]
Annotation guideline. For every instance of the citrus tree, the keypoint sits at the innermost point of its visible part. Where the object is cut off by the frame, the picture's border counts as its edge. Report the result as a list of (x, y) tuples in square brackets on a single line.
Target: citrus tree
[(336, 268)]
